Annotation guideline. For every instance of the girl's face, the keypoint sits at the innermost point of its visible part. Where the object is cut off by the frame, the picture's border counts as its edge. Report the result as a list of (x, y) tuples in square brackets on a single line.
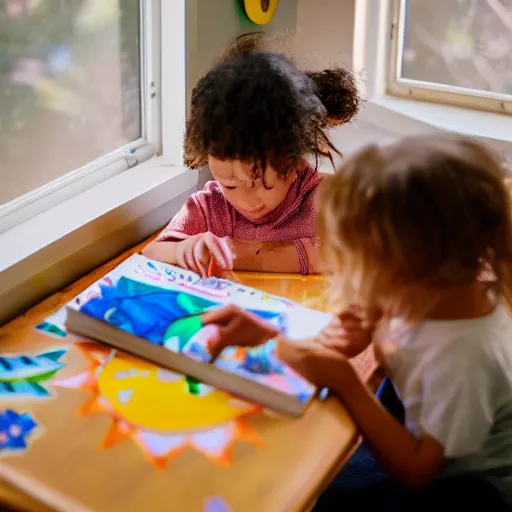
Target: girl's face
[(252, 198)]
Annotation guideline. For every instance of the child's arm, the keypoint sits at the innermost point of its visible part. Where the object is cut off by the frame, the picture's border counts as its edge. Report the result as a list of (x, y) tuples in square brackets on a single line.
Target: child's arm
[(193, 253), (456, 413), (413, 462), (161, 251), (300, 256), (187, 223), (186, 241)]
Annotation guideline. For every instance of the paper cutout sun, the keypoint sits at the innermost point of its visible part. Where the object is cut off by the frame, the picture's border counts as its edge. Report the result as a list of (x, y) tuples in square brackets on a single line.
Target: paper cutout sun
[(159, 410)]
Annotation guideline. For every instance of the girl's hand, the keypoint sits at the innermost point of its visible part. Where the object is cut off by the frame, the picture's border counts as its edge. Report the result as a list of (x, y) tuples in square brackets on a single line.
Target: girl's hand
[(237, 327), (195, 253), (350, 332), (321, 365)]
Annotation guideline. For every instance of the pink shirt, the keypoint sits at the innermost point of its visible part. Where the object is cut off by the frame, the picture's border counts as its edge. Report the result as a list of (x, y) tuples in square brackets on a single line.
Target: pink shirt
[(292, 221)]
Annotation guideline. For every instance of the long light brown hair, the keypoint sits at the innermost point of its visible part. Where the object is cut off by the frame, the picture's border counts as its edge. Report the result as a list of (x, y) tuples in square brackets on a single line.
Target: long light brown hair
[(424, 213)]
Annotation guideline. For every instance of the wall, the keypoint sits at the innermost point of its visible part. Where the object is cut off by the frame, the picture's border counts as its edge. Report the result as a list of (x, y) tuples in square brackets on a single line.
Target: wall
[(214, 24), (325, 36), (354, 136), (325, 32)]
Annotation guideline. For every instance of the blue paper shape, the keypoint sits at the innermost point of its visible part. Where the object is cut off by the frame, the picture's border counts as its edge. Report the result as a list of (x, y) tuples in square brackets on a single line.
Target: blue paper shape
[(14, 429)]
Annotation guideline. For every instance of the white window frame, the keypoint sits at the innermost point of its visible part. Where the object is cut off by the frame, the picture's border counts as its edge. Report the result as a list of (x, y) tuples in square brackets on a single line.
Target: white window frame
[(428, 91), (149, 144), (92, 221), (403, 116)]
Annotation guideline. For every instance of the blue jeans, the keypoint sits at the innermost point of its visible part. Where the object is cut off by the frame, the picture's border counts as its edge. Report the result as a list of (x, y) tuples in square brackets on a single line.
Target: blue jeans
[(363, 484)]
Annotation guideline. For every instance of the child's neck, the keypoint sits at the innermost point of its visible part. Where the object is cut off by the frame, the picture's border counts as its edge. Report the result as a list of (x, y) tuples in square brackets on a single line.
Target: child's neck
[(463, 302)]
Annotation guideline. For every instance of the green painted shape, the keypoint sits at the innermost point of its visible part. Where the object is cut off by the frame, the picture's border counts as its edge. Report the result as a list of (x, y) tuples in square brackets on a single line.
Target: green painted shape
[(193, 304), (242, 16), (32, 378), (39, 389), (52, 329), (183, 329), (193, 385), (54, 355)]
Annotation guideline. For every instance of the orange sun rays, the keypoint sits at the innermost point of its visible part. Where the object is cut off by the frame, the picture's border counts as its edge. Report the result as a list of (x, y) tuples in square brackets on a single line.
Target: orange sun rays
[(215, 440)]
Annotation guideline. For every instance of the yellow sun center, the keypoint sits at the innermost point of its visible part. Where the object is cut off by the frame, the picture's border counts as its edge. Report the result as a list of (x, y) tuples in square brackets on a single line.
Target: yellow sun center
[(156, 399)]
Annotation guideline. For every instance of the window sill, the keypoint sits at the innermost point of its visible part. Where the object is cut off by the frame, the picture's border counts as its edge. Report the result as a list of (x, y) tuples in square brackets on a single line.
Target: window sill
[(54, 248), (404, 117)]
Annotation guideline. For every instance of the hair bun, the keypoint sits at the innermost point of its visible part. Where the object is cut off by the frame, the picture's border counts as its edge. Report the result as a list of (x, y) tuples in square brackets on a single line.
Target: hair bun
[(246, 43), (252, 42), (337, 89)]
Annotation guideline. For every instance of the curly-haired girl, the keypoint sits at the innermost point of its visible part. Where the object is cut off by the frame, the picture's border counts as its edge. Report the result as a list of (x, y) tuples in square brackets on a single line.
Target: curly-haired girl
[(254, 118)]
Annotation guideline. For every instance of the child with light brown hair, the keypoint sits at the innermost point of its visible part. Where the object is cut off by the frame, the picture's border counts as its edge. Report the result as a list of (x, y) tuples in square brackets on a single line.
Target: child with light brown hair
[(407, 230)]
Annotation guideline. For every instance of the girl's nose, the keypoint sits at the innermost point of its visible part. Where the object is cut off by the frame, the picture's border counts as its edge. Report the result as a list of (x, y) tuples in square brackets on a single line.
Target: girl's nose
[(253, 204), (253, 207)]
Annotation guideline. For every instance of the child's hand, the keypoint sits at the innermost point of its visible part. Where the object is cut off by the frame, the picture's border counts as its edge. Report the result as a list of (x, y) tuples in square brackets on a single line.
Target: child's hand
[(321, 365), (195, 253), (349, 333), (237, 327)]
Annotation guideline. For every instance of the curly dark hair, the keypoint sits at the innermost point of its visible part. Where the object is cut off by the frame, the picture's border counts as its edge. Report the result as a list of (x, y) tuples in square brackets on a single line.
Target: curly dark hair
[(257, 107)]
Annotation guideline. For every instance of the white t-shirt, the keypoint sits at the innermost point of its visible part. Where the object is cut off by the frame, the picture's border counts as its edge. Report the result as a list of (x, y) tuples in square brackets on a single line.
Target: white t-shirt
[(455, 381)]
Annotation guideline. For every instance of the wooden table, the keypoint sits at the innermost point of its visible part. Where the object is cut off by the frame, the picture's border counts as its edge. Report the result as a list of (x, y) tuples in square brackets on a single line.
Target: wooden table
[(277, 464)]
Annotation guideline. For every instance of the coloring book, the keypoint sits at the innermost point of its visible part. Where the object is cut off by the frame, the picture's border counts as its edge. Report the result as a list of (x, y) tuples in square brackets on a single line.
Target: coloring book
[(153, 310)]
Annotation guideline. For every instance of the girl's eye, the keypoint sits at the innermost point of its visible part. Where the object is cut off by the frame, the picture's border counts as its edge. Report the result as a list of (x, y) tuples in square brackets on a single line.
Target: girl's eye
[(229, 188)]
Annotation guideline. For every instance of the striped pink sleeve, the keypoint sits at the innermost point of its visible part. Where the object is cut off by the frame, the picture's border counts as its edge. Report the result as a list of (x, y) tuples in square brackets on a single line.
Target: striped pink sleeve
[(305, 267), (189, 221)]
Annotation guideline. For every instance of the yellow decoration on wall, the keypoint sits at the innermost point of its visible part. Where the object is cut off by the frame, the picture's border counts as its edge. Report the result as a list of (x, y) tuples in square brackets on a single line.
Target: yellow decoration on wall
[(260, 12)]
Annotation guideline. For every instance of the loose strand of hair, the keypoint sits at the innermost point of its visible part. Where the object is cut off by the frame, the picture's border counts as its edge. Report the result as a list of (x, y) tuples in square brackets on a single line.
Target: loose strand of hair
[(331, 148)]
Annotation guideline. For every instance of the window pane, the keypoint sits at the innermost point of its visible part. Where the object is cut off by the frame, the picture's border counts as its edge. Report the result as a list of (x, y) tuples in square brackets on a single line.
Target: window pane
[(464, 43), (69, 86)]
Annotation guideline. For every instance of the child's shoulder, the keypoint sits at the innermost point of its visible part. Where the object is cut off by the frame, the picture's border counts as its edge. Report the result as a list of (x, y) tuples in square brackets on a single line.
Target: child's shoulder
[(211, 188), (210, 200), (482, 341), (211, 194)]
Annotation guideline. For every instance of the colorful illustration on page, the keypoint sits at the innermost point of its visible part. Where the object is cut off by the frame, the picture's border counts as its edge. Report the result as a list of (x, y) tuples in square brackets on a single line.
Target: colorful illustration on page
[(148, 272)]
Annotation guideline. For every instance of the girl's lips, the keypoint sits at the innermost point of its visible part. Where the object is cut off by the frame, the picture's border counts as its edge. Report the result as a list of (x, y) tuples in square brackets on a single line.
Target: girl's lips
[(254, 213)]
